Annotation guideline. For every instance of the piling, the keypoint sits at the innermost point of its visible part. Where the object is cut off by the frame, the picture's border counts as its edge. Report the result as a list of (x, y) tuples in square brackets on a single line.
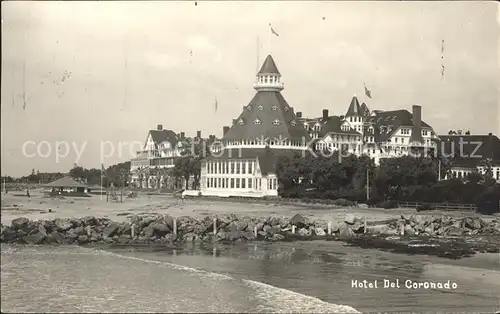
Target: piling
[(365, 225), (175, 226), (293, 229), (132, 230), (255, 231), (215, 226), (329, 228)]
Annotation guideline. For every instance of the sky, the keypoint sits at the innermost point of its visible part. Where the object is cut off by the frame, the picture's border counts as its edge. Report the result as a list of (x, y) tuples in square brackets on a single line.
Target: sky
[(129, 66)]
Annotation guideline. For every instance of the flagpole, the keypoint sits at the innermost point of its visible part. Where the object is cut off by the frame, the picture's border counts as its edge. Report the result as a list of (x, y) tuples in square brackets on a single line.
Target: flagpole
[(101, 183), (258, 54)]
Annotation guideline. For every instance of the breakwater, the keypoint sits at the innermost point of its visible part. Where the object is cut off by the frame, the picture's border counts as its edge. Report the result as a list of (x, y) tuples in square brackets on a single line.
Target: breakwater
[(441, 235)]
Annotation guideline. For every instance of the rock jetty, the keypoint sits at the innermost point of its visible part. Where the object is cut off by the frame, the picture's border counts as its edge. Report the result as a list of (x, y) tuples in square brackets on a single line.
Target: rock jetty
[(167, 230)]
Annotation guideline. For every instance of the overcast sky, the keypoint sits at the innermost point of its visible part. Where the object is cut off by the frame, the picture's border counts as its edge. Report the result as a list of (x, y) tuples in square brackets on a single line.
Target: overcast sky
[(134, 65)]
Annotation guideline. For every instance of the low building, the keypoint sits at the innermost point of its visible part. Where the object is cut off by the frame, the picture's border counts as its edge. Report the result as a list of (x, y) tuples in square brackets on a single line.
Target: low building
[(66, 186), (96, 189), (471, 154)]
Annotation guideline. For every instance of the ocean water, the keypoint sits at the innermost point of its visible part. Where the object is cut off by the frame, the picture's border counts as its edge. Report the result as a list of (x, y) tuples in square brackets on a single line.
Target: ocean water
[(280, 278)]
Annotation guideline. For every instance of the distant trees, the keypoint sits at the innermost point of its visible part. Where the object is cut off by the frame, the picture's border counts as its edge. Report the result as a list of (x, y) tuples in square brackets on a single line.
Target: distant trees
[(405, 178)]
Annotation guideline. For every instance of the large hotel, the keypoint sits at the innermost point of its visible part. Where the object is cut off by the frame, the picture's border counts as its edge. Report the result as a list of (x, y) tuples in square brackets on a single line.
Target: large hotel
[(245, 164)]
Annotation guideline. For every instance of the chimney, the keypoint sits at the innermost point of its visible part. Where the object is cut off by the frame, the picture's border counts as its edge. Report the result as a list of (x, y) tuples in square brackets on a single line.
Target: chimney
[(234, 121), (299, 114), (198, 134), (416, 132), (224, 130), (159, 127), (325, 114), (183, 134)]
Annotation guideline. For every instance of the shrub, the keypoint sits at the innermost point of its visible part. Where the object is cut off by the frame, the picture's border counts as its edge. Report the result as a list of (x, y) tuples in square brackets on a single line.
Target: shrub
[(424, 207), (343, 202), (389, 204)]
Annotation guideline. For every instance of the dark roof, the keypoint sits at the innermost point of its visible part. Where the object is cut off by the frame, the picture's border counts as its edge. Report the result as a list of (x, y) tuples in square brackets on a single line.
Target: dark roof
[(96, 187), (65, 182), (331, 124), (365, 111), (274, 107), (475, 148), (267, 157), (354, 108), (164, 136), (269, 67), (386, 123)]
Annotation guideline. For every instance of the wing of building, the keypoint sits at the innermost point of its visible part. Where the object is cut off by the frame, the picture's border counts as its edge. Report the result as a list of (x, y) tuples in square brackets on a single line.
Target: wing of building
[(266, 128)]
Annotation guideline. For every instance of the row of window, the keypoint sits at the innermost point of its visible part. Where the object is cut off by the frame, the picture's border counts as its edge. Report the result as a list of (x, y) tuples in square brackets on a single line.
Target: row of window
[(269, 79), (276, 122), (234, 183), (261, 107), (230, 167)]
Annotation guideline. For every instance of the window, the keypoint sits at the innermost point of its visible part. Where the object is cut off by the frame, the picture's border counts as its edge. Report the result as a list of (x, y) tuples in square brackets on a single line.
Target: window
[(250, 182), (223, 183), (220, 166), (243, 181), (276, 122), (241, 122), (260, 107), (219, 185), (249, 107), (237, 167), (232, 166), (317, 127), (257, 121), (232, 183), (424, 132), (208, 182), (227, 182), (274, 107), (293, 123), (243, 168), (237, 183), (250, 170), (286, 108), (211, 182)]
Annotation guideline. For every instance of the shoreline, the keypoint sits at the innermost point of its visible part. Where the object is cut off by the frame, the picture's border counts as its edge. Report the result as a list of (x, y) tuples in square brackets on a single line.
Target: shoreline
[(445, 237)]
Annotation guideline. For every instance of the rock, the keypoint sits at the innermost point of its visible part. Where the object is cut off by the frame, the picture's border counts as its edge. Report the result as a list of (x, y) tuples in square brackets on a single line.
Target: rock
[(303, 232), (454, 231), (319, 231), (134, 219), (189, 237), (89, 220), (79, 230), (248, 235), (361, 205), (20, 223), (110, 230), (124, 239), (159, 229), (273, 221), (298, 220), (169, 221), (170, 237), (233, 235), (471, 223), (149, 231), (63, 224), (57, 237), (409, 231), (8, 234), (36, 236), (82, 239), (335, 226), (260, 226), (277, 237), (262, 234), (350, 219), (429, 230), (345, 231), (221, 235)]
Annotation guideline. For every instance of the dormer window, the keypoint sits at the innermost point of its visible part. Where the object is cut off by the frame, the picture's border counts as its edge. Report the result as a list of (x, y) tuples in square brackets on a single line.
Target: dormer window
[(257, 121), (276, 122), (241, 122), (293, 123), (260, 107), (274, 107), (249, 107), (286, 108)]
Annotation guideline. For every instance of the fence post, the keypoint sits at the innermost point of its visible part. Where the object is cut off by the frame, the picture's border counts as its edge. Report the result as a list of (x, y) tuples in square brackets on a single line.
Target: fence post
[(215, 226), (329, 228), (365, 226), (132, 230), (293, 229), (175, 225), (255, 231)]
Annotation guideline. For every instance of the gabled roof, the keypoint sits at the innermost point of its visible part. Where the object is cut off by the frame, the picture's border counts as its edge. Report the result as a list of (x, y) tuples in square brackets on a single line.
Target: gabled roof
[(96, 187), (65, 182), (473, 150), (354, 108), (164, 136), (386, 123), (274, 118), (267, 157), (365, 111), (269, 67)]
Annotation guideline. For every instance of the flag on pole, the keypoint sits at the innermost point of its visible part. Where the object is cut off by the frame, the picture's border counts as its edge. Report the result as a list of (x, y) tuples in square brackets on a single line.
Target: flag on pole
[(273, 31), (368, 93)]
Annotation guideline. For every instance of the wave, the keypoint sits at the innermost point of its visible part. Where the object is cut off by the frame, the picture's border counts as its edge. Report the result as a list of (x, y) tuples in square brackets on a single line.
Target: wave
[(272, 299)]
